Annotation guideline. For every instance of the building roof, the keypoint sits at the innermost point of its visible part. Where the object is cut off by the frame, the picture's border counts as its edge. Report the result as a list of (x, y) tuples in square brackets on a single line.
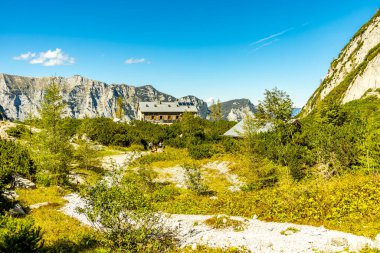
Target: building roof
[(179, 107), (237, 131)]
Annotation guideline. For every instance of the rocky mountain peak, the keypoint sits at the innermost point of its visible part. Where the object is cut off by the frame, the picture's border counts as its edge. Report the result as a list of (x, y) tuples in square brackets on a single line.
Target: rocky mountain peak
[(355, 71)]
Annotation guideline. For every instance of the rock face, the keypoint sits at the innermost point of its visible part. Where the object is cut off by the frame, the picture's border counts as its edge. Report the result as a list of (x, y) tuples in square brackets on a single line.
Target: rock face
[(22, 96), (356, 71), (236, 110), (199, 104)]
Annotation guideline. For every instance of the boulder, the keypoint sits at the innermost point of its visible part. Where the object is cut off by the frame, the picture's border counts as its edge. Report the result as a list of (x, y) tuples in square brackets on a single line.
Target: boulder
[(75, 179), (20, 182), (11, 195), (17, 210)]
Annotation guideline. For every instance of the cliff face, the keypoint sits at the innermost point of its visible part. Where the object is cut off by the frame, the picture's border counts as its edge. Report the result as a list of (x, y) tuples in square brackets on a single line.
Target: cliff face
[(237, 109), (20, 96), (356, 71)]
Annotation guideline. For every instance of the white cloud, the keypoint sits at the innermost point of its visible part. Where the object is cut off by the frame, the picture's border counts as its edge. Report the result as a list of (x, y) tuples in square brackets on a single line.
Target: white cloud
[(209, 100), (136, 60), (25, 56), (49, 58)]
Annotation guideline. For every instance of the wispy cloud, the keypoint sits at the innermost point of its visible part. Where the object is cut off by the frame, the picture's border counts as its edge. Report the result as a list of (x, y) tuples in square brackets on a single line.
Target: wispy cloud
[(49, 58), (25, 56), (265, 44), (136, 60), (275, 35)]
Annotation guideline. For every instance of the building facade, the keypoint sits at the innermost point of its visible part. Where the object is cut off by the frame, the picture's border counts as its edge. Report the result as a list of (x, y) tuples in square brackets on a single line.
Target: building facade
[(164, 112)]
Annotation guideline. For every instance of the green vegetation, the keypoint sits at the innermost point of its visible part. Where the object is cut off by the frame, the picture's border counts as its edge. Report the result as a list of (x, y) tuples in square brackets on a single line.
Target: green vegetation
[(318, 170), (224, 221)]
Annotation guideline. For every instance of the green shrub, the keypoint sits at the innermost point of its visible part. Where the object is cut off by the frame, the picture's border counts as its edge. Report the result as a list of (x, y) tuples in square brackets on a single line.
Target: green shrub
[(18, 131), (200, 151), (194, 180), (14, 160), (19, 236)]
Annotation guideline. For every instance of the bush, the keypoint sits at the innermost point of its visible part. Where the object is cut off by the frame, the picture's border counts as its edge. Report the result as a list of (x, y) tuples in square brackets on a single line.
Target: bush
[(194, 179), (19, 236), (14, 160), (129, 223), (18, 131), (200, 151)]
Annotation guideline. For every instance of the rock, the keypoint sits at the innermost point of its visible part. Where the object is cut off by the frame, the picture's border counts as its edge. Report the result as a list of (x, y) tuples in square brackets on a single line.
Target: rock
[(75, 179), (213, 197), (17, 210), (377, 238), (339, 242), (11, 195), (194, 246), (254, 217), (38, 205), (20, 182), (353, 55)]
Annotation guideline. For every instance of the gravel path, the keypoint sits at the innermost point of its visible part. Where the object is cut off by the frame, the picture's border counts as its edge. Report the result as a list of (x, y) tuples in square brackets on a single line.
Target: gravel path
[(258, 236)]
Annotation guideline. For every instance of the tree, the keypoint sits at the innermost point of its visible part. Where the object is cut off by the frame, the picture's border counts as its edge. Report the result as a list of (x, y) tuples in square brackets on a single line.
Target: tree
[(86, 155), (216, 110), (119, 109), (52, 149), (276, 107)]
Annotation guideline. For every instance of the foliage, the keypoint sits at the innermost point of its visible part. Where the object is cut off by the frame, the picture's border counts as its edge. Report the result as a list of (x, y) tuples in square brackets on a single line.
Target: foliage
[(216, 110), (51, 148), (18, 131), (194, 179), (14, 160), (19, 236), (275, 108), (224, 221), (200, 151), (127, 220), (86, 155)]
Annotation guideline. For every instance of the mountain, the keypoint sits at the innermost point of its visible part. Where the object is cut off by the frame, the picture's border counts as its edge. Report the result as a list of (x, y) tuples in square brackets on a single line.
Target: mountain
[(20, 96), (355, 73), (235, 110), (201, 105)]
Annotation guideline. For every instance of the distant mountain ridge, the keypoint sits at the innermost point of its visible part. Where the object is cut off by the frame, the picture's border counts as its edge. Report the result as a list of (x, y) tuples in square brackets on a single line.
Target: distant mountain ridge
[(21, 96), (237, 109)]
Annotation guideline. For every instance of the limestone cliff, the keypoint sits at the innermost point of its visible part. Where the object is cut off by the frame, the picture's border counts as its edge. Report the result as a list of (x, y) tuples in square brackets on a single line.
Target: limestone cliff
[(21, 96), (356, 71)]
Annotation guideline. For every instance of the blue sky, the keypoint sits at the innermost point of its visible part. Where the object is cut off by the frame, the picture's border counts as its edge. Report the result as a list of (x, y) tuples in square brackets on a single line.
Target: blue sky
[(208, 48)]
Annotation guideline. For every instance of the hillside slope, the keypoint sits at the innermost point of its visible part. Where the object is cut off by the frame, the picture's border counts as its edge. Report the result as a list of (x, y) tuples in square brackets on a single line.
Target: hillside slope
[(355, 72)]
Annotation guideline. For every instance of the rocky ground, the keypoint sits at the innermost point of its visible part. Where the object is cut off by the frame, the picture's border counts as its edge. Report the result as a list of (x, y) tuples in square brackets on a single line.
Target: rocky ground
[(257, 236)]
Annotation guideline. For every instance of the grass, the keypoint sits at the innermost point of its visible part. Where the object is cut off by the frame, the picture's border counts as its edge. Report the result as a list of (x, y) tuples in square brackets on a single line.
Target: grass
[(224, 222), (289, 230), (61, 233)]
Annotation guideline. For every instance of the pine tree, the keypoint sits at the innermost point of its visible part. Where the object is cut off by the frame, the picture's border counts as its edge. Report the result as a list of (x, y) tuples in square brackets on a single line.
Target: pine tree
[(119, 109), (52, 149), (216, 110)]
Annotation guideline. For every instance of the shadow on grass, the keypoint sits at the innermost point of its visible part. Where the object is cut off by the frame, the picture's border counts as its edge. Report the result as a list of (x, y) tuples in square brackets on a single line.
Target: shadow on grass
[(86, 243)]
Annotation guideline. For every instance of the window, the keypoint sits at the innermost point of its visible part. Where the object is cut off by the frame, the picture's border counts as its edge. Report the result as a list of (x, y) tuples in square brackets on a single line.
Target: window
[(160, 117)]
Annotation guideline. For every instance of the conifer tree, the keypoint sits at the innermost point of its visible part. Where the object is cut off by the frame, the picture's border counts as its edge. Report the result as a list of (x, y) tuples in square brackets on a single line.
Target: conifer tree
[(52, 149)]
